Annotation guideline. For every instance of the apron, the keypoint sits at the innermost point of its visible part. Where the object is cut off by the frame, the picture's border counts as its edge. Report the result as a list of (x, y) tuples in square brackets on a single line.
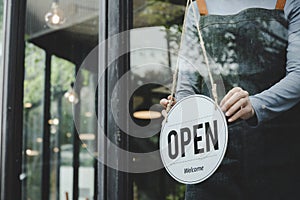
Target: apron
[(263, 162)]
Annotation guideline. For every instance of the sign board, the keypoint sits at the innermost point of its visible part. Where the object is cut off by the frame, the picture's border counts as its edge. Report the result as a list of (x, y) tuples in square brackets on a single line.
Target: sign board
[(193, 139)]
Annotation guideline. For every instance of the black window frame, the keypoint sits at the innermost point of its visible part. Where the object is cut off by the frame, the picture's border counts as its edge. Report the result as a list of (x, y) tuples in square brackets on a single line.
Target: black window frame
[(113, 184), (12, 99)]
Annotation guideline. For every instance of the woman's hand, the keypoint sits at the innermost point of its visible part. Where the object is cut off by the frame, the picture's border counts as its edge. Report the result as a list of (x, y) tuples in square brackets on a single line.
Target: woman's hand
[(236, 104), (164, 102)]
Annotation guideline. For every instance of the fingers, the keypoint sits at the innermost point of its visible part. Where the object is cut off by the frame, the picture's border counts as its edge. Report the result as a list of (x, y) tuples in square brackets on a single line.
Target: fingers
[(164, 102), (243, 113), (236, 104), (241, 103), (228, 95), (164, 113), (232, 97)]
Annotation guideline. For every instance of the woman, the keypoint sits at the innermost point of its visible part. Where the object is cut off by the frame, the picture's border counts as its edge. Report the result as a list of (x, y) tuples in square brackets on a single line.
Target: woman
[(257, 51)]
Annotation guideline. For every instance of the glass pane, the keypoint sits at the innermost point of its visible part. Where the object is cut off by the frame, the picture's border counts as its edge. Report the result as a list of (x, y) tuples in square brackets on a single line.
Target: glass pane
[(68, 32), (87, 134), (153, 59), (61, 128), (33, 121)]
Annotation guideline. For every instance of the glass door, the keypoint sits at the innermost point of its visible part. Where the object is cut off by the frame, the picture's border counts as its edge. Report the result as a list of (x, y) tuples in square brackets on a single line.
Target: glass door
[(58, 155)]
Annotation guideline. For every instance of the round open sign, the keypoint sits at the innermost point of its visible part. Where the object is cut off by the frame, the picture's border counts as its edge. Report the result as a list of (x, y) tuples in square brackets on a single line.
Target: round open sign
[(193, 141)]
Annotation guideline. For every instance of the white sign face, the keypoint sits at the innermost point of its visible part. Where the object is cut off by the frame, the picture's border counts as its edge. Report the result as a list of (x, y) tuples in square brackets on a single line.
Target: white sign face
[(193, 141)]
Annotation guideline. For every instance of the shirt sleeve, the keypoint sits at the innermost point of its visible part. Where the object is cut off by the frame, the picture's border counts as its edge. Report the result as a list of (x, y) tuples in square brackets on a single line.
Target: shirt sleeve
[(286, 93)]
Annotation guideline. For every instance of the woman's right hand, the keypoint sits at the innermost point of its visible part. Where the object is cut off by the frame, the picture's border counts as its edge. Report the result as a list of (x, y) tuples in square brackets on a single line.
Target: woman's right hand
[(164, 102)]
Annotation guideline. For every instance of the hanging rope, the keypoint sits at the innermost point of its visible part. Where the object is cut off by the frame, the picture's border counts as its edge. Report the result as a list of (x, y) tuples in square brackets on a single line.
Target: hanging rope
[(213, 85), (175, 75)]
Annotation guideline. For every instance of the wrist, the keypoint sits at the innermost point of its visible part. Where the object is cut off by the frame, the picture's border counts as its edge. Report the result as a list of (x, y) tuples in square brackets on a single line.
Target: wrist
[(252, 121)]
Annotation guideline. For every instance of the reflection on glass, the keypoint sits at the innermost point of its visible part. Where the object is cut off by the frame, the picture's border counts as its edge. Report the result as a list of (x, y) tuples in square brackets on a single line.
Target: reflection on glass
[(33, 121), (55, 16), (153, 59), (75, 35), (147, 114), (71, 95), (62, 75)]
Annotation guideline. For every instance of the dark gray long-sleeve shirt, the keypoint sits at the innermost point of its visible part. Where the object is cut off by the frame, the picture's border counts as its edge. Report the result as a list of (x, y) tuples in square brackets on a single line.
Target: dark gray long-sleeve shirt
[(281, 96)]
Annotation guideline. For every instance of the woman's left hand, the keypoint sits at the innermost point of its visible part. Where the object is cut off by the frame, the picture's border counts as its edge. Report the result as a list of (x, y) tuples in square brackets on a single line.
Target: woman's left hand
[(236, 104)]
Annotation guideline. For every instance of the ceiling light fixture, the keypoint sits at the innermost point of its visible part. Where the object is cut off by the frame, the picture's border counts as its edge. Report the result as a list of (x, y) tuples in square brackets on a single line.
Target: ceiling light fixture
[(55, 16), (71, 95), (27, 105), (87, 136), (147, 114), (30, 152)]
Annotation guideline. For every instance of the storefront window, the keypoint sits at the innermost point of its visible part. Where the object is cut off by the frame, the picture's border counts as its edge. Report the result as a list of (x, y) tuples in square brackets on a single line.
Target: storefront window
[(153, 59), (58, 157), (54, 145), (61, 129), (33, 121)]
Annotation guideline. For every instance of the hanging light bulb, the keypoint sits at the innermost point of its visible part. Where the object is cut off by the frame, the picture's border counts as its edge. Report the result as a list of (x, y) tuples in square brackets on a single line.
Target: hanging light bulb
[(71, 95), (55, 16)]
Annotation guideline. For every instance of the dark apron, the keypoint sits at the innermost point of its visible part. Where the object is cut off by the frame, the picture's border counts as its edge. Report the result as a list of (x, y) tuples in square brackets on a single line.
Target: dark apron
[(263, 162)]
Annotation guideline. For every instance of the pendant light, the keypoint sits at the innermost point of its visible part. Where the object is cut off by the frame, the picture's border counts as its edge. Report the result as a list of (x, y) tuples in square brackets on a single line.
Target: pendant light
[(71, 95), (55, 16)]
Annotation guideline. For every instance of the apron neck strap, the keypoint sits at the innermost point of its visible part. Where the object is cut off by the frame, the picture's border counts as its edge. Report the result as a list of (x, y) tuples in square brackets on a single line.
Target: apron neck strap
[(280, 4), (202, 7)]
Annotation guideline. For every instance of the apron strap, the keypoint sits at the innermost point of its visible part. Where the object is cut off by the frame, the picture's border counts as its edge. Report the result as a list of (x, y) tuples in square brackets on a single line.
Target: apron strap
[(280, 4), (202, 7)]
